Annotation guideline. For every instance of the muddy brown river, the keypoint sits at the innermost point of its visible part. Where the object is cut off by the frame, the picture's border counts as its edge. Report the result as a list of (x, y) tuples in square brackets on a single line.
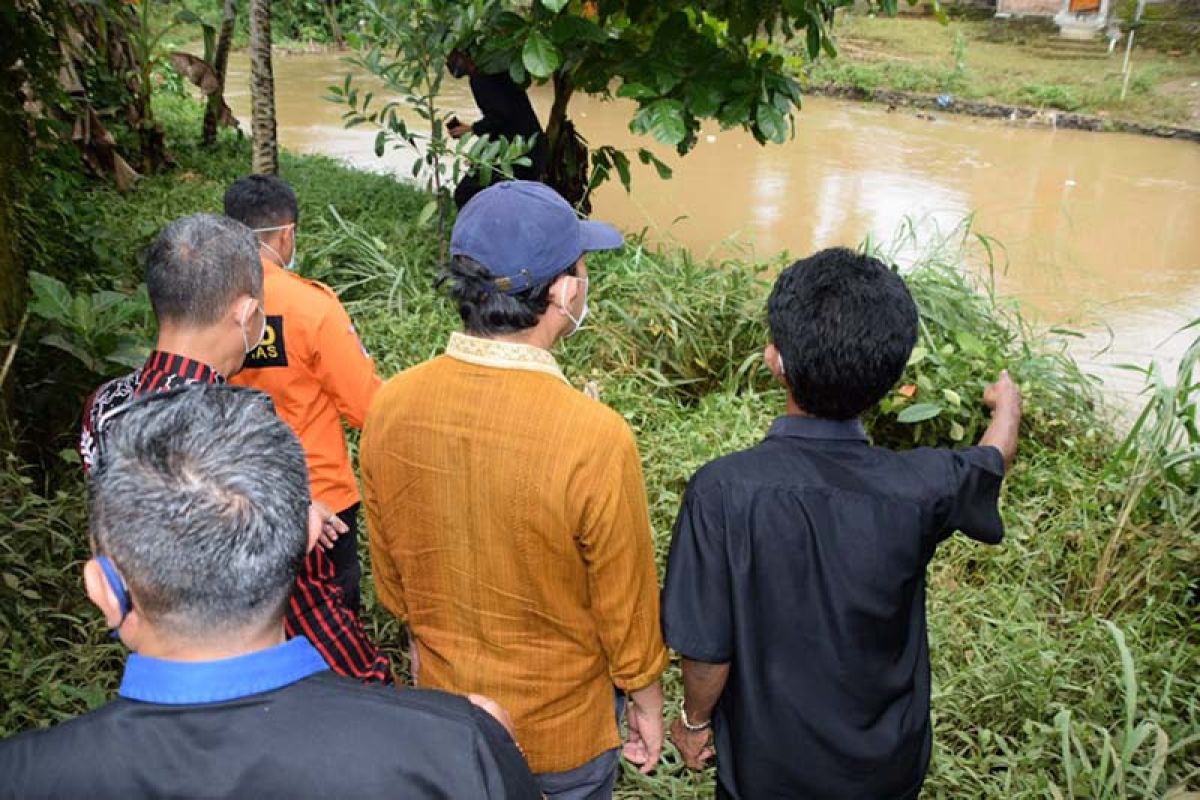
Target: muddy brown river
[(1101, 231)]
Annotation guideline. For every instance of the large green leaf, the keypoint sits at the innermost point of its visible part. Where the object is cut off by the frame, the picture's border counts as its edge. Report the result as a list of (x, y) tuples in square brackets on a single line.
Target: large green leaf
[(663, 119), (51, 298), (919, 413), (772, 123), (540, 56), (570, 29)]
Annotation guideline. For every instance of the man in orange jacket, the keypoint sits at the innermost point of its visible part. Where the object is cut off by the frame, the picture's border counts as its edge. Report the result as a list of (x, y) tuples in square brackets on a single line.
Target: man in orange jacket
[(310, 361)]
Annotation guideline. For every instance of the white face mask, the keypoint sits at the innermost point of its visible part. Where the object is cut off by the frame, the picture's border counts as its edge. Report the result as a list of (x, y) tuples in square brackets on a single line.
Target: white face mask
[(262, 332), (562, 301), (291, 263)]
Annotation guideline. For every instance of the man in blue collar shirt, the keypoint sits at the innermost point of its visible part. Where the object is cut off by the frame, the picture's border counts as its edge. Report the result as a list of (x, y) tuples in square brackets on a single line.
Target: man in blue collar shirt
[(194, 557)]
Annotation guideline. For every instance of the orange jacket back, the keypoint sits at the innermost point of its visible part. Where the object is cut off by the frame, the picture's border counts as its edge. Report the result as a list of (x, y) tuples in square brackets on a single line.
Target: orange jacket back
[(317, 372)]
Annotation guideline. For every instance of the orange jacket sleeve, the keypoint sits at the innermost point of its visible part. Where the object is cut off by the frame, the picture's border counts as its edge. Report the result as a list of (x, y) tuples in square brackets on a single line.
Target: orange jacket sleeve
[(343, 366)]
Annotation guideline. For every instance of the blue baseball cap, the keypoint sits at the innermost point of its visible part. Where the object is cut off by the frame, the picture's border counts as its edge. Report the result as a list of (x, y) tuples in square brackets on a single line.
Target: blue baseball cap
[(525, 233)]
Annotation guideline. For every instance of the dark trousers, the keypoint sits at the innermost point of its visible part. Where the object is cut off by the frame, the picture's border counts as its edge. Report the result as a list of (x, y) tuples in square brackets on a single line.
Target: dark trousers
[(344, 555)]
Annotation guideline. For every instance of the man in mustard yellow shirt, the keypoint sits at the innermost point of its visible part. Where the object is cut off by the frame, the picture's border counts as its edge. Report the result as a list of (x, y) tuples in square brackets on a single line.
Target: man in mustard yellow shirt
[(506, 510)]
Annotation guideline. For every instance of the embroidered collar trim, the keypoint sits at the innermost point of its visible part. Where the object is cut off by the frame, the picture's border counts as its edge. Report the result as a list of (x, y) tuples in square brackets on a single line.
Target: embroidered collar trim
[(502, 355)]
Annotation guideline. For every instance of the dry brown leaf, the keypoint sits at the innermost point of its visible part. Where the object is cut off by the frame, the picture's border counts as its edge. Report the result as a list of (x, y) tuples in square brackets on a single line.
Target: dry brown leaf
[(196, 70)]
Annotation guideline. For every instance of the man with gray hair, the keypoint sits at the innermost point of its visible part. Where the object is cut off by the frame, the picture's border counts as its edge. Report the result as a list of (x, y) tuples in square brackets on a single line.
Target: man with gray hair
[(194, 556), (205, 282)]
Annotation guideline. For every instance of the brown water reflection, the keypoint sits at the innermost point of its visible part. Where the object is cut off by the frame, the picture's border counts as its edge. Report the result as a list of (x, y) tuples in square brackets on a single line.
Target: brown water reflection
[(1102, 232)]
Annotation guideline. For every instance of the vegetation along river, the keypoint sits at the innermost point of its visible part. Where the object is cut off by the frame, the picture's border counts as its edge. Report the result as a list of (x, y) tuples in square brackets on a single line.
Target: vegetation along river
[(1101, 232)]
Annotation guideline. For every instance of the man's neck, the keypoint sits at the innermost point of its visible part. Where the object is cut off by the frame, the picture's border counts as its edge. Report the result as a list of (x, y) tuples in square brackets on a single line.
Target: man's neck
[(793, 408), (230, 645), (538, 336), (196, 345)]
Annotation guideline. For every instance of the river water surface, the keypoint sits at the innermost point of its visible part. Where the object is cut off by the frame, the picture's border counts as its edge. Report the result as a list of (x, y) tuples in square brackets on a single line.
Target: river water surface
[(1101, 232)]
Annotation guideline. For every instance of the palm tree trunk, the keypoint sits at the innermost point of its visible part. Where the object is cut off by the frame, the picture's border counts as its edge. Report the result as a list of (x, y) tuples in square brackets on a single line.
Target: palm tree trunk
[(262, 90), (212, 113)]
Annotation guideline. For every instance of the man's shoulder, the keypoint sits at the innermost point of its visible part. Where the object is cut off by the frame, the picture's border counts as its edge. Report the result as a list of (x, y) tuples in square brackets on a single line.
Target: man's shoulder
[(381, 708), (289, 293), (114, 392), (33, 762), (739, 465)]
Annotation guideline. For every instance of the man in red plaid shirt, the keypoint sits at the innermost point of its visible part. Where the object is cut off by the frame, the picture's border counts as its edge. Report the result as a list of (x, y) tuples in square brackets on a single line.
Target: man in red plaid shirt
[(206, 286)]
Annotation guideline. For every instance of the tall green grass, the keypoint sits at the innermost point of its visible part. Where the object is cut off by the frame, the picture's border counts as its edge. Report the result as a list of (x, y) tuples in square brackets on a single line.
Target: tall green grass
[(1065, 661)]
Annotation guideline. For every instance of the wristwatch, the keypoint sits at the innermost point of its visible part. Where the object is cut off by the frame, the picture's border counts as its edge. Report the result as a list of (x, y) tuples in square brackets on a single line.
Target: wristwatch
[(703, 726)]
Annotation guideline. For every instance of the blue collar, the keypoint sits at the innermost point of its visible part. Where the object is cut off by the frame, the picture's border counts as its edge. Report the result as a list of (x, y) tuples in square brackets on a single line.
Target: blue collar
[(818, 428), (156, 680)]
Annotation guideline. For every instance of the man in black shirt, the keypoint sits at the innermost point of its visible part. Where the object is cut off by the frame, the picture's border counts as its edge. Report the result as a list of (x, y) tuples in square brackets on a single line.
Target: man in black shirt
[(194, 558), (506, 112), (795, 586)]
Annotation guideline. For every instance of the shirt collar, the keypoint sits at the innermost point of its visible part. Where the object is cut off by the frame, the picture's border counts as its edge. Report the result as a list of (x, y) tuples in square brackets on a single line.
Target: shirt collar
[(156, 680), (186, 368), (502, 355), (817, 428)]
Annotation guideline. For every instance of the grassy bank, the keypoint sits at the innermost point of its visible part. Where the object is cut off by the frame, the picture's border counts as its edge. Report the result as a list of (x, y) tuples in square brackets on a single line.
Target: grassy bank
[(1057, 671), (1010, 62)]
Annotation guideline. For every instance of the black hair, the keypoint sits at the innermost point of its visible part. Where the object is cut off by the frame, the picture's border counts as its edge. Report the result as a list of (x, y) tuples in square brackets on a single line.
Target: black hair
[(486, 311), (198, 265), (201, 501), (261, 201), (845, 325)]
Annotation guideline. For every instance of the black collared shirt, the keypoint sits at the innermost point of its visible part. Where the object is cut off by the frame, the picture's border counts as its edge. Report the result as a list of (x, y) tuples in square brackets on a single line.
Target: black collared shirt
[(274, 723), (802, 561)]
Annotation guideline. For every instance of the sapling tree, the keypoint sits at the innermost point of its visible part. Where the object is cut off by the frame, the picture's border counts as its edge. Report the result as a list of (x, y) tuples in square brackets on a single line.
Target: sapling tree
[(404, 47)]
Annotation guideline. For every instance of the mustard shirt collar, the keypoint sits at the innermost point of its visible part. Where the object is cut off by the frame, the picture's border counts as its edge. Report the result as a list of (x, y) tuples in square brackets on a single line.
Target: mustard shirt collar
[(502, 355)]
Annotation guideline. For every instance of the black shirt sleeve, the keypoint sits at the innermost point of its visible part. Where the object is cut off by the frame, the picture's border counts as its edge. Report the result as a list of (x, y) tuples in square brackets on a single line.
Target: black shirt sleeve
[(696, 612), (495, 103), (971, 503), (503, 768)]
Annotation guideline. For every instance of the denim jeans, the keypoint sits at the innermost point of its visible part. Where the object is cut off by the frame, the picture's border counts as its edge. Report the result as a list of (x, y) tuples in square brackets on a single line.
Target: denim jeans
[(593, 780)]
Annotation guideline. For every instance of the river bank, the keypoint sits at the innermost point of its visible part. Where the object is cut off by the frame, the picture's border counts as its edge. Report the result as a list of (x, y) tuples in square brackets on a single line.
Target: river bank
[(1022, 661), (984, 64), (1020, 115)]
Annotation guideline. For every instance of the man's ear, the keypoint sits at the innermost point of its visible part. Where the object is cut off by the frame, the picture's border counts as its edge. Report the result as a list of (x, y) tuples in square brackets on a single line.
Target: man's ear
[(774, 362), (314, 527), (101, 593), (563, 291)]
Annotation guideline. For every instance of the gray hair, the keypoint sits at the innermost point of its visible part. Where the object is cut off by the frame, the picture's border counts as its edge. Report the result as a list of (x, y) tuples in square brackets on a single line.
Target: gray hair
[(201, 501), (198, 265)]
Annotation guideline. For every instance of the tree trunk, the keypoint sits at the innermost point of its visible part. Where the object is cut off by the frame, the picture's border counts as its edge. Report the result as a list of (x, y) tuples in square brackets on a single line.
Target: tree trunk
[(262, 90), (14, 159), (212, 113), (566, 151), (334, 27)]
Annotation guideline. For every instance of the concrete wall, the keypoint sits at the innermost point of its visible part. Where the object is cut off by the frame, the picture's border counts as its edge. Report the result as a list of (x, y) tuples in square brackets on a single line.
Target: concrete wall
[(1028, 8)]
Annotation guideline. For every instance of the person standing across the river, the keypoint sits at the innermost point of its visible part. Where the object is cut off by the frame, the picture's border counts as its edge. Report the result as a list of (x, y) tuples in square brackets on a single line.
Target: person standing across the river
[(795, 585), (205, 283), (310, 361), (506, 510), (506, 112)]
